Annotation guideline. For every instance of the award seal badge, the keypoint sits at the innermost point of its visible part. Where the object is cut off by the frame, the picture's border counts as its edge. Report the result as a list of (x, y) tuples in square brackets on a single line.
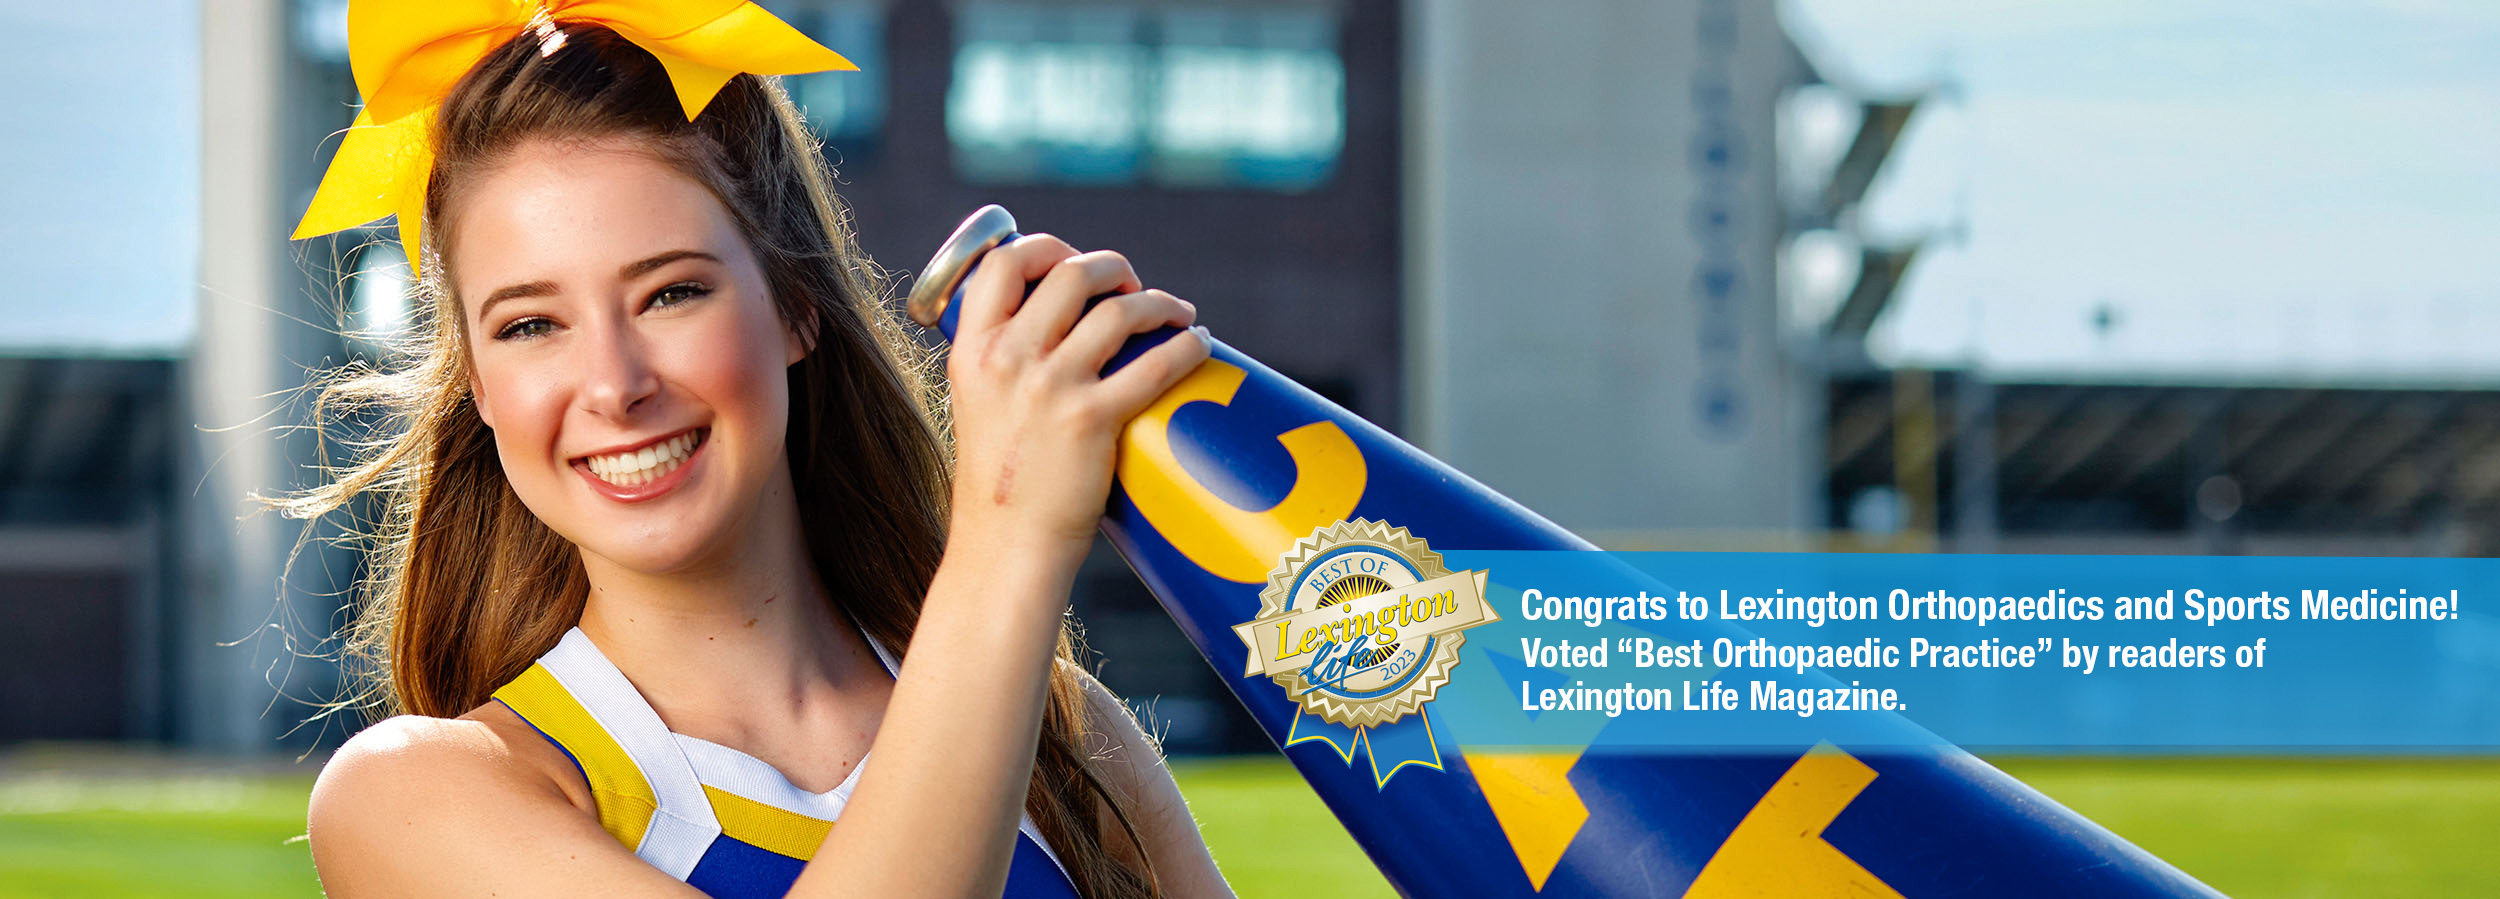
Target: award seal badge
[(1360, 624)]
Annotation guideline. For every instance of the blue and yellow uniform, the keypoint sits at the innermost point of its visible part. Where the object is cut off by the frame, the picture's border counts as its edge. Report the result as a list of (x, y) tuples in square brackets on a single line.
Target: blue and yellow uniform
[(721, 820)]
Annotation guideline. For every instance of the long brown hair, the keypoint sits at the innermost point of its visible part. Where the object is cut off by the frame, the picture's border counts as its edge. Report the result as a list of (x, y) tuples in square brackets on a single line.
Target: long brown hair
[(465, 588)]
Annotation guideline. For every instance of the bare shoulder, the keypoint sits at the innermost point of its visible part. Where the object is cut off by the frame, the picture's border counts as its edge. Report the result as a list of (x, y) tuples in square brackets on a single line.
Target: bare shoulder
[(1134, 761), (412, 757), (416, 805), (1113, 732)]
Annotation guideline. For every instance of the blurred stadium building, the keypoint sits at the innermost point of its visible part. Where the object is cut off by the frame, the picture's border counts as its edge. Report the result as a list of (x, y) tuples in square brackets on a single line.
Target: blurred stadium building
[(1543, 241)]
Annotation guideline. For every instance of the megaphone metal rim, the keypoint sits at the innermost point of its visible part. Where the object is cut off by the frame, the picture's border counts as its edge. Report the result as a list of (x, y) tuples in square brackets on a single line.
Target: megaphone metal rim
[(935, 287)]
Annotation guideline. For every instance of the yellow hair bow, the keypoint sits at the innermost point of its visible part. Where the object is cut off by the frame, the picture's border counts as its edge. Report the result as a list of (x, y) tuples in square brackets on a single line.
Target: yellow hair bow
[(407, 54)]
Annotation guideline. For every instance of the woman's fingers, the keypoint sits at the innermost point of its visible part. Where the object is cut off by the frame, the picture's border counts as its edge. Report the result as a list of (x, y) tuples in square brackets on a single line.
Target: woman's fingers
[(1026, 305), (996, 288), (1042, 324), (1098, 336), (1127, 391)]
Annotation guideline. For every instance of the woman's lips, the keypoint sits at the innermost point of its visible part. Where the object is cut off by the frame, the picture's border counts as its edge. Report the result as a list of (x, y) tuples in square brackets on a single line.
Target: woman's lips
[(671, 474)]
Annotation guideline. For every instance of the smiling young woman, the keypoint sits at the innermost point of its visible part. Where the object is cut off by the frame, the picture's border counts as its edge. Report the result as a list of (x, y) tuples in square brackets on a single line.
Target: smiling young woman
[(669, 545)]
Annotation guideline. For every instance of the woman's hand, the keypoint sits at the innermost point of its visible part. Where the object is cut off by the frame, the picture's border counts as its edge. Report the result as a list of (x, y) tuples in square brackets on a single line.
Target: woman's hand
[(1035, 422)]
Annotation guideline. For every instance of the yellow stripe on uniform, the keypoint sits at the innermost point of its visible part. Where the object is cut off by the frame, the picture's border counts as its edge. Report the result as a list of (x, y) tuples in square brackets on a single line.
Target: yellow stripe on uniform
[(624, 797), (767, 827)]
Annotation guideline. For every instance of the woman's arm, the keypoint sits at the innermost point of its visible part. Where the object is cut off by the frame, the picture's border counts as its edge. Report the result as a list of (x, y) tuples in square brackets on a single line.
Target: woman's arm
[(1135, 762), (432, 807), (1036, 426)]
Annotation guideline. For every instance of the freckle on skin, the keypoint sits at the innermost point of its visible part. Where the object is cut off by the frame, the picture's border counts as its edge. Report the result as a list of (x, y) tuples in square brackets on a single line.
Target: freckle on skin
[(751, 622)]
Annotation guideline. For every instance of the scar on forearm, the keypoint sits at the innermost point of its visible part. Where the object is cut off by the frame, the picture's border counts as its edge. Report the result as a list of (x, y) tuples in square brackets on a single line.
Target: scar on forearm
[(1006, 479)]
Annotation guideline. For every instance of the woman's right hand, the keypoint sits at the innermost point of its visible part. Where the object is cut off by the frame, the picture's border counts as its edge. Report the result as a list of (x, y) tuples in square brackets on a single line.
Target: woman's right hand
[(1035, 423)]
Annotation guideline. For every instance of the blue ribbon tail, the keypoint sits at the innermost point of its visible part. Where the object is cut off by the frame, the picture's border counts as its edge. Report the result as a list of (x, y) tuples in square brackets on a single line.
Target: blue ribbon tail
[(1399, 744), (1307, 727)]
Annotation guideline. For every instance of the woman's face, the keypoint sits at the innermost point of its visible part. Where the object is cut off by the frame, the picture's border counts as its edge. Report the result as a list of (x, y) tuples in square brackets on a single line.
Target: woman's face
[(625, 351)]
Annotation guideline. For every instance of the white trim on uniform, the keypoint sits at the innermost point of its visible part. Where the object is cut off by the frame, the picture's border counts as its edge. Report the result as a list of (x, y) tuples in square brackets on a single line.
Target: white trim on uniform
[(737, 772), (683, 827)]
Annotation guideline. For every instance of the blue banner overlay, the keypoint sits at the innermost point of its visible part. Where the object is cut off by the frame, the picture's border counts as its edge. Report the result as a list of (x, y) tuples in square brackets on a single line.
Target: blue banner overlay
[(1648, 651)]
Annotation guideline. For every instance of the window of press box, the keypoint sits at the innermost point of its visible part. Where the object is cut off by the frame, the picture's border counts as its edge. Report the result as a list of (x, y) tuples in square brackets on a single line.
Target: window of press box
[(1193, 98), (847, 109), (320, 30), (377, 315)]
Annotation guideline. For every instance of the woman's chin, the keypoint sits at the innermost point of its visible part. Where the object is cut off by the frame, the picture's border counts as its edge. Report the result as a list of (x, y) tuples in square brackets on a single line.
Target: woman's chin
[(655, 544), (649, 558)]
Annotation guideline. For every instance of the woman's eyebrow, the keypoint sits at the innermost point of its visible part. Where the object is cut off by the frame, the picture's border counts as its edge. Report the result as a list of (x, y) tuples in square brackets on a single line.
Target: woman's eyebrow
[(646, 266), (515, 291)]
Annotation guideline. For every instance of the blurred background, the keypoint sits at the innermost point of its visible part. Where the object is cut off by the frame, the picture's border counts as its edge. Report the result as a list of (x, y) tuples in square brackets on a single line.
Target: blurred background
[(1927, 275)]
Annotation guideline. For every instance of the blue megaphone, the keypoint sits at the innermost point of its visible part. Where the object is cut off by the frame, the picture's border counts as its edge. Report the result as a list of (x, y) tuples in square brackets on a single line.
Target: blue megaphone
[(1291, 540)]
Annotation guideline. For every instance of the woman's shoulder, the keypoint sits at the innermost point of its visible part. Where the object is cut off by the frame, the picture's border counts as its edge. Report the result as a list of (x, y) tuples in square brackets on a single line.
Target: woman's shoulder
[(416, 763), (416, 806), (1133, 760), (1114, 736)]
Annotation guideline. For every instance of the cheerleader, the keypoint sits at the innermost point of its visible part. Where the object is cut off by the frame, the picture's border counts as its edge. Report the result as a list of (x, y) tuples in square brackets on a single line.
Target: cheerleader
[(675, 582)]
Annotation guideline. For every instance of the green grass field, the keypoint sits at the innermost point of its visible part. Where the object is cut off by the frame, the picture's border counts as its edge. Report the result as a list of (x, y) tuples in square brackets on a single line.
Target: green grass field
[(2252, 828), (2296, 827)]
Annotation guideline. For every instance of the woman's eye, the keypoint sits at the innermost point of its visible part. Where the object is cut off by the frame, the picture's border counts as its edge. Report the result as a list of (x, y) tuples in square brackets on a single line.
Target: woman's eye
[(679, 294), (525, 329)]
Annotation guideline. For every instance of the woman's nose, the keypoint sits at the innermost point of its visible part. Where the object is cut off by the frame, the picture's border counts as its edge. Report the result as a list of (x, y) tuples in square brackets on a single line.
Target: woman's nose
[(617, 376)]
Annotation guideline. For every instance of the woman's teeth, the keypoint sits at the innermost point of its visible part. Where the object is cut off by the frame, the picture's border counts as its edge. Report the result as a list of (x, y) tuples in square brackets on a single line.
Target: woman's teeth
[(632, 469)]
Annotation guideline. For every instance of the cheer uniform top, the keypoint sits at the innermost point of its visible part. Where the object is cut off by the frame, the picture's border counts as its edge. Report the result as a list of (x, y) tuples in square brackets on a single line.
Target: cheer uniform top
[(723, 821)]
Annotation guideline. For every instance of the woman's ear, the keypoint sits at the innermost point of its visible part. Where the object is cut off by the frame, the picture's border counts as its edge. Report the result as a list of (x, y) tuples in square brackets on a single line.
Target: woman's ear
[(477, 398), (800, 339)]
